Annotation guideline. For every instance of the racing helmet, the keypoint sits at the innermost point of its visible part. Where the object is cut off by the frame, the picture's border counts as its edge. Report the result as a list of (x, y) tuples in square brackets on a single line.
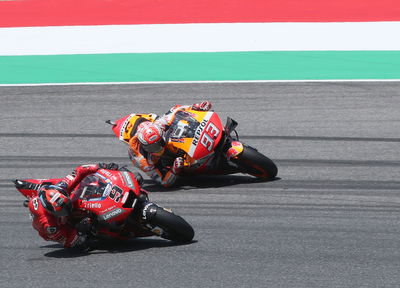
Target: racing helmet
[(55, 200), (151, 137)]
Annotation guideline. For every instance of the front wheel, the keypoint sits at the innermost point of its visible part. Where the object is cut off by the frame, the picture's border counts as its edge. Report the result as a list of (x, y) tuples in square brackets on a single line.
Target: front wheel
[(174, 227), (252, 162)]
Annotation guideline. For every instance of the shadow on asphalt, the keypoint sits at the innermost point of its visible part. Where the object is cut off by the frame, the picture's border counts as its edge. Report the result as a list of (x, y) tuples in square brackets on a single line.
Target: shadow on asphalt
[(113, 246), (205, 181)]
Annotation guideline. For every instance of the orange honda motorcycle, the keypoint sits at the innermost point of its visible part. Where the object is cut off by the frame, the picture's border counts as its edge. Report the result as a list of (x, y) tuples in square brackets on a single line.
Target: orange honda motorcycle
[(205, 144)]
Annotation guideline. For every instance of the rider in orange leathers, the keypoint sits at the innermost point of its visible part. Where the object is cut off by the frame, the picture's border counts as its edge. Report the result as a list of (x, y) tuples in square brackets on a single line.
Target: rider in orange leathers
[(148, 145)]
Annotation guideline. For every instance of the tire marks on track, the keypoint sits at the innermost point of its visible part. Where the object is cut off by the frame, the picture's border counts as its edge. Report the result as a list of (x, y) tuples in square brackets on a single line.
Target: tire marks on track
[(51, 161), (252, 137)]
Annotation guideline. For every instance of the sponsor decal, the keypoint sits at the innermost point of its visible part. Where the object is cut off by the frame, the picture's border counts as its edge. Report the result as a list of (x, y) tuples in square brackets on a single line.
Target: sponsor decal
[(106, 191), (144, 211), (205, 134), (124, 126), (178, 140), (120, 178), (212, 130), (199, 131), (55, 197), (97, 199), (108, 174), (108, 209), (35, 203), (116, 193), (128, 180), (125, 197), (235, 150), (112, 214), (92, 205), (153, 138), (211, 133), (102, 176), (207, 142), (128, 127)]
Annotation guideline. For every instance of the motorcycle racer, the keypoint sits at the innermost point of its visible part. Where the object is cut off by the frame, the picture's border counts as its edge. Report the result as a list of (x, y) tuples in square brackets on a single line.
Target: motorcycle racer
[(52, 206), (147, 146)]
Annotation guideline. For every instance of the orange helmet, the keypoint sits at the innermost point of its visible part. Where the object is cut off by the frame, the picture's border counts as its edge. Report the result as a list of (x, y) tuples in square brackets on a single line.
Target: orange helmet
[(151, 137), (55, 200)]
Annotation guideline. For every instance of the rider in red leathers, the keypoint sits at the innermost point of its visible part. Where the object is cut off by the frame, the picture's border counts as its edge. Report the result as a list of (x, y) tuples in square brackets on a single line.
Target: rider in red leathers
[(52, 206), (148, 145)]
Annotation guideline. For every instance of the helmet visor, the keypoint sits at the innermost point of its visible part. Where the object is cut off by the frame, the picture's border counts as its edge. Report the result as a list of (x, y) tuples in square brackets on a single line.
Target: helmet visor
[(155, 147)]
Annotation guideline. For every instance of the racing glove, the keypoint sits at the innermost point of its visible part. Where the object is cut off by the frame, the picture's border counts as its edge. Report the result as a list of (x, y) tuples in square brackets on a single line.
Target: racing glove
[(85, 240), (202, 106), (108, 166), (85, 225), (177, 166), (138, 177)]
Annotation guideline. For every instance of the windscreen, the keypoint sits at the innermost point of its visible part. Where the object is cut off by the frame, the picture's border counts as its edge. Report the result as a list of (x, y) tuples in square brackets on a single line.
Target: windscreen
[(183, 126), (90, 187)]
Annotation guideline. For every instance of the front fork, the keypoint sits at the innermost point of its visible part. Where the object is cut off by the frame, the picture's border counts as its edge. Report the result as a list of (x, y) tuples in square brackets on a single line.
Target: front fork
[(233, 147), (148, 213)]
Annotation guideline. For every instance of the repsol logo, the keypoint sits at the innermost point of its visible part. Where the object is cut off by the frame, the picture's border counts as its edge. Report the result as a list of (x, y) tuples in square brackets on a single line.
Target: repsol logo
[(199, 131), (112, 214)]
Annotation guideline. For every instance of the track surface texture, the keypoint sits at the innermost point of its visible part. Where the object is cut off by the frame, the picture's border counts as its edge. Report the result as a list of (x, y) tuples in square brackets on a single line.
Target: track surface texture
[(332, 219)]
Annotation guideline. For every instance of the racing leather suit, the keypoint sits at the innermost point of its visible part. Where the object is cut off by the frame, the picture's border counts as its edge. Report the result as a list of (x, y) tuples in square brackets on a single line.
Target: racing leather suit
[(146, 161), (53, 228)]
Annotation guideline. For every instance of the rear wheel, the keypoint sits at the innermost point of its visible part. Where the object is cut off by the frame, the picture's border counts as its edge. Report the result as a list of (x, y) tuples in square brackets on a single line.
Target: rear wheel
[(174, 227), (252, 162)]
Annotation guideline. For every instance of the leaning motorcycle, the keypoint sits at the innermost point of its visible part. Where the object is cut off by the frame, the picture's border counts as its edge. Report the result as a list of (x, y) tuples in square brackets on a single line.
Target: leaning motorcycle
[(119, 208), (206, 145)]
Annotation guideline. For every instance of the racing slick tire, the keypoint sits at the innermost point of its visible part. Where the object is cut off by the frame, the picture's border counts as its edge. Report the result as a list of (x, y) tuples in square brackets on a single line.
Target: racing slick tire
[(252, 162), (175, 227)]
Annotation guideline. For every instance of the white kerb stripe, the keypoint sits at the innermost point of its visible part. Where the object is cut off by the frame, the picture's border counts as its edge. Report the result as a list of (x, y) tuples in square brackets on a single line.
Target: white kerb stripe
[(199, 38), (191, 82)]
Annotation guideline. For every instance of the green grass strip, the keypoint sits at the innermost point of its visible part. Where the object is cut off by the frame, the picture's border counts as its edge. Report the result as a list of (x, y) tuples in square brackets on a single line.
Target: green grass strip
[(219, 66)]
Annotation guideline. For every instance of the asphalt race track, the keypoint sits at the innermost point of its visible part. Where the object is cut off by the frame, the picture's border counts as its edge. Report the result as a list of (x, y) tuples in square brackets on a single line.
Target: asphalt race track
[(331, 219)]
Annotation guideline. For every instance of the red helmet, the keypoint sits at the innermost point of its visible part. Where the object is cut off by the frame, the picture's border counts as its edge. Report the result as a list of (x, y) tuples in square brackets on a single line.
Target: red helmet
[(55, 200), (151, 137)]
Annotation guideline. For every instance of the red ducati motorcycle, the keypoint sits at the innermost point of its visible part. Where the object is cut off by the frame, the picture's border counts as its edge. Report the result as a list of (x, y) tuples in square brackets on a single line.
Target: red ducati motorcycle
[(119, 207)]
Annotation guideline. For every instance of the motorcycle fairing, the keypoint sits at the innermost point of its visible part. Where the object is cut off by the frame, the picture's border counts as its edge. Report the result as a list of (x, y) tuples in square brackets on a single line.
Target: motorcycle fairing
[(104, 193), (126, 126), (198, 133), (29, 193)]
